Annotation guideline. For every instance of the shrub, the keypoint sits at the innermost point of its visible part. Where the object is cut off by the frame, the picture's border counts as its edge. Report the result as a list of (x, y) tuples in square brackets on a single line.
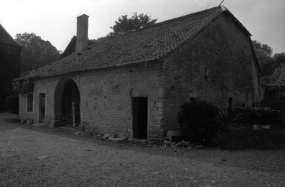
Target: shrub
[(13, 103), (23, 87), (199, 122)]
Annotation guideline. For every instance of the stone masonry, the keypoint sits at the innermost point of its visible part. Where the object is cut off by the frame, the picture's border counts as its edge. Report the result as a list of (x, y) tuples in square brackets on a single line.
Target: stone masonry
[(106, 98), (224, 51), (217, 64)]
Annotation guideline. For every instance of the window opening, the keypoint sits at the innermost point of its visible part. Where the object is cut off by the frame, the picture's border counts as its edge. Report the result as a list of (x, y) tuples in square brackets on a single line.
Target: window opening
[(206, 72), (30, 100)]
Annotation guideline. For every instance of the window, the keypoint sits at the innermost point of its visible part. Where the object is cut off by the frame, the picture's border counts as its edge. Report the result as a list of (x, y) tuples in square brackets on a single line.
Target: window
[(30, 102), (206, 73)]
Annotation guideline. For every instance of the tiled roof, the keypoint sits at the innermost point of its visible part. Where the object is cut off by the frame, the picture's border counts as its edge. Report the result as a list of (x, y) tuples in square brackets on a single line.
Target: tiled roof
[(6, 38), (148, 44)]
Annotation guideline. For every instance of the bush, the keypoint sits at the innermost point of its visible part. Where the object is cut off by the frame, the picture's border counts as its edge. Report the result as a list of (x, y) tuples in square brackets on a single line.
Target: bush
[(199, 122), (13, 103)]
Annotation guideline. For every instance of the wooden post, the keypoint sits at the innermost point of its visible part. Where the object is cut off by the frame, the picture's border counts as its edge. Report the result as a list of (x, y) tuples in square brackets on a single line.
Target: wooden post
[(73, 114)]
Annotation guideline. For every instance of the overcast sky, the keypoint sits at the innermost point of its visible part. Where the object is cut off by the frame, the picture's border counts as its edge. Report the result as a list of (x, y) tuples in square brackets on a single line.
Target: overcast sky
[(55, 20)]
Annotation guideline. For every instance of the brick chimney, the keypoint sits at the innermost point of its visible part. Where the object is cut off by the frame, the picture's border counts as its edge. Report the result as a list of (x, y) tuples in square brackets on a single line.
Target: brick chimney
[(82, 33)]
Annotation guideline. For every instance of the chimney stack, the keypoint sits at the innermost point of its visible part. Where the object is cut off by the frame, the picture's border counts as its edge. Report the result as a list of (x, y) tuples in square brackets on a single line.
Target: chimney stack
[(82, 33)]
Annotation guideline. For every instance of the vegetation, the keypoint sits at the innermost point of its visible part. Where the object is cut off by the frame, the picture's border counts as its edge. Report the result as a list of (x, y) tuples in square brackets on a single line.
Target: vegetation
[(272, 66), (125, 25), (199, 122), (36, 52), (23, 87)]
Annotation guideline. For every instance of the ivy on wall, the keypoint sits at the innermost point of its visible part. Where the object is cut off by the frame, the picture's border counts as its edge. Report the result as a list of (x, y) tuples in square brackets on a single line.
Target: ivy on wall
[(23, 87)]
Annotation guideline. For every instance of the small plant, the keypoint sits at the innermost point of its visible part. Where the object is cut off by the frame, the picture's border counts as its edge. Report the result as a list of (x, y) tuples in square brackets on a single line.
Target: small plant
[(199, 122), (23, 87)]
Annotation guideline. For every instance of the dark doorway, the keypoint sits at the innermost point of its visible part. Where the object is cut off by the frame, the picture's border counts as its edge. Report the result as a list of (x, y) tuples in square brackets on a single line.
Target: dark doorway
[(70, 104), (140, 113), (42, 107)]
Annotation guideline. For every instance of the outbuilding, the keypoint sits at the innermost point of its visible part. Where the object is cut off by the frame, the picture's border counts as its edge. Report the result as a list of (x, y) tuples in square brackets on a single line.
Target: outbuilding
[(134, 84)]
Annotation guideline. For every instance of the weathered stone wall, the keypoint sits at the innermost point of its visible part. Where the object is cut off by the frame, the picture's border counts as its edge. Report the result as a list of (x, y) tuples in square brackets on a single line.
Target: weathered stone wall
[(106, 101), (46, 86), (223, 50), (106, 97)]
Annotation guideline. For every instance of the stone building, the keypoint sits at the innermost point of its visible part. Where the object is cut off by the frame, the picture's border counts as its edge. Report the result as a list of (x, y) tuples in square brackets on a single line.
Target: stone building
[(10, 65), (134, 84)]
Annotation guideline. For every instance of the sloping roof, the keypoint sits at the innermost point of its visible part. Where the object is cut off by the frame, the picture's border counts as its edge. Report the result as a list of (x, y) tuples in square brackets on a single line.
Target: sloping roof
[(6, 38), (148, 44)]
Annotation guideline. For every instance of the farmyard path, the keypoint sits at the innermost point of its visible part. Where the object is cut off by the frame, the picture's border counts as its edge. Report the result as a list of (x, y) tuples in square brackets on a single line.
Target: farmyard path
[(39, 156)]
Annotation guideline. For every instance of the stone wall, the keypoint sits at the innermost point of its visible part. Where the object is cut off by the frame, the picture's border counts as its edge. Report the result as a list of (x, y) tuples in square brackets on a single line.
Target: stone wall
[(10, 67), (216, 65), (106, 97)]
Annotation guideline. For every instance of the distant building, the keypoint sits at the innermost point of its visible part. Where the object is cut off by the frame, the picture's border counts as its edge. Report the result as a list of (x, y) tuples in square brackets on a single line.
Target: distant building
[(10, 65), (134, 84)]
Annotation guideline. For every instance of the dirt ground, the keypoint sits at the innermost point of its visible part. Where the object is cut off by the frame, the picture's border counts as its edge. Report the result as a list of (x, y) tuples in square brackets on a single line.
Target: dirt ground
[(43, 156)]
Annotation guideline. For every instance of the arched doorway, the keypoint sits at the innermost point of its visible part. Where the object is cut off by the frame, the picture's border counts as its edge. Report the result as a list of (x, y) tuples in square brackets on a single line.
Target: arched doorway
[(67, 103)]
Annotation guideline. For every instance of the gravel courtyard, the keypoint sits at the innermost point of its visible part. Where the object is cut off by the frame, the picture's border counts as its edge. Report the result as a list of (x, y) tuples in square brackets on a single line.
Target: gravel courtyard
[(42, 156)]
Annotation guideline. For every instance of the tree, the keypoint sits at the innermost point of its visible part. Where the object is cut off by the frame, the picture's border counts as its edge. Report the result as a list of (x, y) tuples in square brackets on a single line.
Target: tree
[(262, 51), (264, 56), (279, 58), (125, 25), (36, 52), (278, 75)]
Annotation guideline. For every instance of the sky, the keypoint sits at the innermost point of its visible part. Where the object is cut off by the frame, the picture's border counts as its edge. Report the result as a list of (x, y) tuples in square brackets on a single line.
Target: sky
[(55, 20)]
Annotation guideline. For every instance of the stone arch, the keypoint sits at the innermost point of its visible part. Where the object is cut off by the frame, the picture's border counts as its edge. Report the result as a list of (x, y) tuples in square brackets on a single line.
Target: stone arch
[(66, 103)]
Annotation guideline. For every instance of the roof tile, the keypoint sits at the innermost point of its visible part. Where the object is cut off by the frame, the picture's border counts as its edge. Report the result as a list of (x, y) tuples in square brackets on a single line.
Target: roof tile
[(147, 44)]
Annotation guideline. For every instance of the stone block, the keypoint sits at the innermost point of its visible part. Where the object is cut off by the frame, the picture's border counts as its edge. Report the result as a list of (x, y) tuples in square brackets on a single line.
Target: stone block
[(174, 136), (117, 139), (158, 104), (29, 121), (106, 136), (39, 124)]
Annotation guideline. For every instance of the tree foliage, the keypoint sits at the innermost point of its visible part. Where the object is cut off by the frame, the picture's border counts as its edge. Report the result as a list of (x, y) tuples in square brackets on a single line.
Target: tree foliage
[(262, 51), (278, 76), (36, 52), (125, 25), (264, 56)]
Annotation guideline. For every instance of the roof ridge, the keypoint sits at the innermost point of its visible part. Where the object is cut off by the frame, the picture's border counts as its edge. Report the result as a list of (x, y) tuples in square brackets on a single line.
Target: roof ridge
[(157, 25), (171, 20), (147, 44), (181, 17), (6, 38), (194, 34)]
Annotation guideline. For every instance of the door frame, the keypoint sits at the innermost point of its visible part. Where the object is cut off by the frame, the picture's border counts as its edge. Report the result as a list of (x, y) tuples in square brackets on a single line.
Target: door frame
[(135, 128)]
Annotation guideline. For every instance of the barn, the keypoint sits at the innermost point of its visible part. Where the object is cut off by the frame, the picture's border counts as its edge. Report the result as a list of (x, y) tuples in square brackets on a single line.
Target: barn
[(134, 84)]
